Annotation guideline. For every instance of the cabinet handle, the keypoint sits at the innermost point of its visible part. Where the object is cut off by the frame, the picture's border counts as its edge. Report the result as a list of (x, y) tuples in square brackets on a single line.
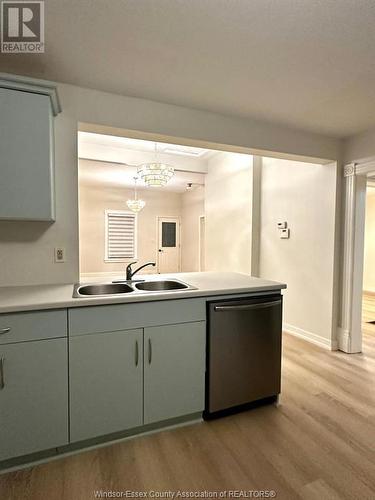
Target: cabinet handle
[(4, 330), (2, 381), (136, 353), (149, 351)]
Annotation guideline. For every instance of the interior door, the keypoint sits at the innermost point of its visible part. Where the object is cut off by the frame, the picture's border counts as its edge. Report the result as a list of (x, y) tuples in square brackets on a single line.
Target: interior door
[(169, 244)]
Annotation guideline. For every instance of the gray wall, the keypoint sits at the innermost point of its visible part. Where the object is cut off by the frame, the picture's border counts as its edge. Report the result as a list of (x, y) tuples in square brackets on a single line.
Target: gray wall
[(360, 146), (303, 195), (26, 250), (229, 213), (192, 208)]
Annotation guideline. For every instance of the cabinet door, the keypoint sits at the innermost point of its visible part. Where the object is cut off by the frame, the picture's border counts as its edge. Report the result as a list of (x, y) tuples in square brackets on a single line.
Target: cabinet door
[(106, 383), (33, 397), (174, 370), (26, 161)]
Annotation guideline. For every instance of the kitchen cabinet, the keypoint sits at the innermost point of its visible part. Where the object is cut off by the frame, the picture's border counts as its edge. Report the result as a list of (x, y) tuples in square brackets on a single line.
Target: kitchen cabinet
[(70, 376), (106, 383), (27, 149), (174, 370), (32, 325), (108, 392), (108, 318), (33, 397), (123, 379)]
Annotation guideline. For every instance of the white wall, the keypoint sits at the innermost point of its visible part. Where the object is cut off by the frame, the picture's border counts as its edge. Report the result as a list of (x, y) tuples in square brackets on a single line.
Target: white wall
[(99, 192), (192, 209), (228, 210), (26, 249), (304, 195), (369, 262), (95, 199)]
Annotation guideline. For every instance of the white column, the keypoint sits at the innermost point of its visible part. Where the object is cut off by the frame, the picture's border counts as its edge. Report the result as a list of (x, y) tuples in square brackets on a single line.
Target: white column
[(350, 332)]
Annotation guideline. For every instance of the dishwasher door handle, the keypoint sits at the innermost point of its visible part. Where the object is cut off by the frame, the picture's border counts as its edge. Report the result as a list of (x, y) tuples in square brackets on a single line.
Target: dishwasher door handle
[(248, 307)]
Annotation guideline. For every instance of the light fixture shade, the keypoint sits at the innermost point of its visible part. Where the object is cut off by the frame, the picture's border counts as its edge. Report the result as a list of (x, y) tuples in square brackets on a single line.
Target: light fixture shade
[(155, 174), (136, 205)]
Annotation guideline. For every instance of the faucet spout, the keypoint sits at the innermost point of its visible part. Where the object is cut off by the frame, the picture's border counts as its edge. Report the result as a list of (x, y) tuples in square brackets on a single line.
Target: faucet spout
[(130, 273)]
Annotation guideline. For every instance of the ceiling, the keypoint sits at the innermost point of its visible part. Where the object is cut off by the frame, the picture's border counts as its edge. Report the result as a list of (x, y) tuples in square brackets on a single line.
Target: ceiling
[(87, 141), (107, 160), (112, 161), (113, 175), (308, 63)]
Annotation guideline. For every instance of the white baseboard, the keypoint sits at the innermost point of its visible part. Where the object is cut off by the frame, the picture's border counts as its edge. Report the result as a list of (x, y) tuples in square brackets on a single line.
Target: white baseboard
[(310, 337), (345, 342), (343, 339)]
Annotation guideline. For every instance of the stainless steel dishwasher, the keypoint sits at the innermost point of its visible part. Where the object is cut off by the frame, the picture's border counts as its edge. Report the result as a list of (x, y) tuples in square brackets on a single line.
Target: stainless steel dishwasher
[(243, 353)]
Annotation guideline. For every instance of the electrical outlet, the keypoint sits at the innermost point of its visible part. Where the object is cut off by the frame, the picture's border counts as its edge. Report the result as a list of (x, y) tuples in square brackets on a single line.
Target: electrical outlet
[(59, 254)]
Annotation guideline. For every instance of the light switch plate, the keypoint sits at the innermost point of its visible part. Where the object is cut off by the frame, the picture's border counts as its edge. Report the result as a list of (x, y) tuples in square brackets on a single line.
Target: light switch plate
[(282, 225), (60, 255)]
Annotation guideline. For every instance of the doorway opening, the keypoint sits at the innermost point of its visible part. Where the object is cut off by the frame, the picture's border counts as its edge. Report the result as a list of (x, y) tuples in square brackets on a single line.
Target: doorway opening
[(165, 227), (170, 228), (368, 299)]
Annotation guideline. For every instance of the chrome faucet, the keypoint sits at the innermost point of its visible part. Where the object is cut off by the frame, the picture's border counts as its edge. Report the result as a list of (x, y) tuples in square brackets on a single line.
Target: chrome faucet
[(130, 273)]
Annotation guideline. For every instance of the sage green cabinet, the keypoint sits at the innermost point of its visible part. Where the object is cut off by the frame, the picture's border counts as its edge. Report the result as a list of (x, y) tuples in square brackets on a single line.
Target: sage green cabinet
[(27, 152), (33, 397), (125, 379), (174, 370), (106, 383)]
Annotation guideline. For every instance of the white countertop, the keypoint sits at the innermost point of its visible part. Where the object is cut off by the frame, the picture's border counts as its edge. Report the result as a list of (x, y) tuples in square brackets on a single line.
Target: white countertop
[(26, 298)]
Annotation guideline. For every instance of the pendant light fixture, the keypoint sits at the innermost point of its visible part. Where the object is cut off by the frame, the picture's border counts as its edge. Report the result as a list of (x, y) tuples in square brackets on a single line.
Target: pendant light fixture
[(135, 205), (155, 173)]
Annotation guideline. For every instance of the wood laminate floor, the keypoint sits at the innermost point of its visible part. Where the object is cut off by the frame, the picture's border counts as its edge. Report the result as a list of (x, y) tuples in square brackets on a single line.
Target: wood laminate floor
[(318, 444)]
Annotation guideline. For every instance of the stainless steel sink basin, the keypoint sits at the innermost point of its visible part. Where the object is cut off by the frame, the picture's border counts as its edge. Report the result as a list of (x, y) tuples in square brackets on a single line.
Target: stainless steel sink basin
[(102, 289), (134, 287), (159, 286)]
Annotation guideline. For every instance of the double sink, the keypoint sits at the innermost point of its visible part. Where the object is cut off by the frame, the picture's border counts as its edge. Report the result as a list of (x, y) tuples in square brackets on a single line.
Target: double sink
[(129, 287)]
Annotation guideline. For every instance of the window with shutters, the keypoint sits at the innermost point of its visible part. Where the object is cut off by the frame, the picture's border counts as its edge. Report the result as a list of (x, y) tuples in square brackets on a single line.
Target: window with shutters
[(120, 236)]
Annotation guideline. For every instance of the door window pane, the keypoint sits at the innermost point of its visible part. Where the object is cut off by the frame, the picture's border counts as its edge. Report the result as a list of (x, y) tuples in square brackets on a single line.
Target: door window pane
[(168, 234)]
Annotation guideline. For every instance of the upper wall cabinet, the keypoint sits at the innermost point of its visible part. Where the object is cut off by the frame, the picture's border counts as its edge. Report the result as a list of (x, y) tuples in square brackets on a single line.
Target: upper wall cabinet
[(27, 110)]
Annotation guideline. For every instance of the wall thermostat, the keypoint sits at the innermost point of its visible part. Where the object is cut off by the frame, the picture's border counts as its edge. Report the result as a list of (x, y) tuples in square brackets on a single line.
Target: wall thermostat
[(282, 225), (284, 234)]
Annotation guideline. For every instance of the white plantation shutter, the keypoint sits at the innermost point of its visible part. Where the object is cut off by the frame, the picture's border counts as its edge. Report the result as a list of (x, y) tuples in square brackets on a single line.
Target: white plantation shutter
[(120, 237)]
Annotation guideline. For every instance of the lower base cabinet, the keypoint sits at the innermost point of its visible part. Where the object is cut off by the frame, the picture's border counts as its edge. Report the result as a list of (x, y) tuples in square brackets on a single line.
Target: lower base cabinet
[(33, 397), (174, 372), (106, 383), (125, 379)]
